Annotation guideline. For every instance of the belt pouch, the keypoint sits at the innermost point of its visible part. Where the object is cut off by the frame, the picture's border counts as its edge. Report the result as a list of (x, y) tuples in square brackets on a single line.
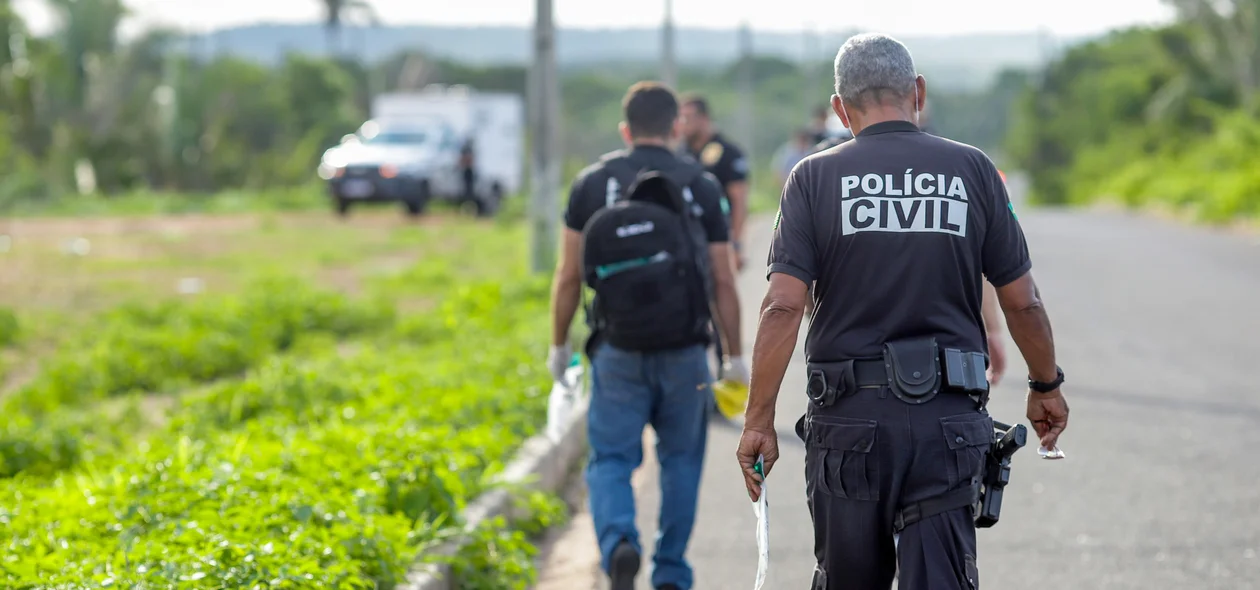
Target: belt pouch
[(914, 369), (965, 371)]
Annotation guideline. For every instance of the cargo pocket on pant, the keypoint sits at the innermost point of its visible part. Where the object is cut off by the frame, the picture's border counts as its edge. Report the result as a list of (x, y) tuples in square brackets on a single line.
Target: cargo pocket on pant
[(973, 572), (839, 462), (820, 578), (968, 437)]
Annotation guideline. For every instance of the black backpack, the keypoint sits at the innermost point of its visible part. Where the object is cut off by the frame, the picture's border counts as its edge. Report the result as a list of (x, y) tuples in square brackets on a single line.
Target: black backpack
[(646, 257)]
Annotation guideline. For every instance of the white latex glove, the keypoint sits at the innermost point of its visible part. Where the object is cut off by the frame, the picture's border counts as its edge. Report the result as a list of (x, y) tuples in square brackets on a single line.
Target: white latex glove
[(736, 369), (558, 360)]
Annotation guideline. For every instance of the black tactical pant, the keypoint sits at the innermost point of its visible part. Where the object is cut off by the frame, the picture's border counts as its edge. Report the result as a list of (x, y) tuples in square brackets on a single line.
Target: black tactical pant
[(470, 180), (870, 454)]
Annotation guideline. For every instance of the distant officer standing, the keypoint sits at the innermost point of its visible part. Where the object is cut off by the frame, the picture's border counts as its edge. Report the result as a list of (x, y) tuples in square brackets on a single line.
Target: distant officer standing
[(722, 159), (899, 229), (467, 169), (648, 348), (818, 127)]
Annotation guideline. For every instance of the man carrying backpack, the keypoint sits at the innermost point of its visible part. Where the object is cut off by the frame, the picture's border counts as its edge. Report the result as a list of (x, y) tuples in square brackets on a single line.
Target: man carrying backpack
[(645, 230)]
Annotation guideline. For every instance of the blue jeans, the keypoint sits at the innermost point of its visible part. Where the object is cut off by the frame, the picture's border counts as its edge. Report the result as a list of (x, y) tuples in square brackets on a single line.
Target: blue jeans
[(672, 391)]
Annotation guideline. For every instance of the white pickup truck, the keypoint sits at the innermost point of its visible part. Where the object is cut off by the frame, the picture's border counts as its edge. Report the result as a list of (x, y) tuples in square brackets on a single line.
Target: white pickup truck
[(411, 151)]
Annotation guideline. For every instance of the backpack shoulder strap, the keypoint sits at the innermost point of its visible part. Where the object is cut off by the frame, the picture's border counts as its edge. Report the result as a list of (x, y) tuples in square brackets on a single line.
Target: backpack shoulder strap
[(619, 173), (658, 187), (687, 173), (684, 176)]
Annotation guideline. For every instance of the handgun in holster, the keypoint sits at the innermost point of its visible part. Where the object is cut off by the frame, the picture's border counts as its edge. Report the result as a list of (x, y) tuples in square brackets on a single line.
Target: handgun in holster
[(997, 471)]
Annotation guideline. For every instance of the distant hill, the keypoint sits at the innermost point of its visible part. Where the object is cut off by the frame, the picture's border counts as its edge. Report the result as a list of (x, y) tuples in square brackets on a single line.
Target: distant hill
[(966, 60)]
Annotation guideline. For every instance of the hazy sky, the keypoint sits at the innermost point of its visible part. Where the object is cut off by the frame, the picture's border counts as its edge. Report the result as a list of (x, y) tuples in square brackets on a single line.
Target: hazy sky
[(917, 17)]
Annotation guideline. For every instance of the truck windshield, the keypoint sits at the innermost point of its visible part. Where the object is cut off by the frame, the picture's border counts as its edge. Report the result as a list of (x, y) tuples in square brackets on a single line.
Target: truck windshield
[(397, 137)]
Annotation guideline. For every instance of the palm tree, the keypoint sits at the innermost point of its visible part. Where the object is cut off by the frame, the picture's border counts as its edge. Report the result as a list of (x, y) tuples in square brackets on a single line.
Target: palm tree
[(1231, 44), (335, 12), (88, 31)]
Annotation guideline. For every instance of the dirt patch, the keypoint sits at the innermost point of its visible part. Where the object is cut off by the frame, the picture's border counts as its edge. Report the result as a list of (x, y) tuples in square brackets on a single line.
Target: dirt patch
[(570, 556), (107, 226), (15, 371)]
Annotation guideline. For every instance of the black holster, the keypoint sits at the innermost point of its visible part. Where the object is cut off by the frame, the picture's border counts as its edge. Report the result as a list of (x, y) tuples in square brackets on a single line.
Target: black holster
[(824, 392)]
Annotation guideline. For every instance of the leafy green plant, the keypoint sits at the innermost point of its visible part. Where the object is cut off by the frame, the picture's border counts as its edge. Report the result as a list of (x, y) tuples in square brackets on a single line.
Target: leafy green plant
[(500, 555), (328, 471), (9, 327), (152, 348)]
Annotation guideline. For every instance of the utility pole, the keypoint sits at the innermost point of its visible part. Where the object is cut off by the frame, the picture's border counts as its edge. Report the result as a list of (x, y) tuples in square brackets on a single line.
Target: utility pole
[(669, 69), (544, 115), (809, 53), (746, 90)]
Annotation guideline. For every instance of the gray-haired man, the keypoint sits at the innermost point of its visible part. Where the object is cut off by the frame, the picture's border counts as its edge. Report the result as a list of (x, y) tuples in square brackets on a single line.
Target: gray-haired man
[(898, 230)]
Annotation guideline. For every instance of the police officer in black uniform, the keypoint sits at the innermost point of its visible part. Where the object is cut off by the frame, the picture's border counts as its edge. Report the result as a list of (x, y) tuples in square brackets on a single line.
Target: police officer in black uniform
[(898, 228), (721, 158)]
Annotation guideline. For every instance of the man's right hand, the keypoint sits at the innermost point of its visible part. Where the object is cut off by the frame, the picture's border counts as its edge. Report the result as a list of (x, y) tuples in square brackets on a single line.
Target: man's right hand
[(754, 442), (736, 369), (1048, 413), (738, 261)]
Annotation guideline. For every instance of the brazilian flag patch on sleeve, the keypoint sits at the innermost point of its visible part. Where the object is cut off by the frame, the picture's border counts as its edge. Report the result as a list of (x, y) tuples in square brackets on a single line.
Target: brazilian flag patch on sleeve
[(777, 218), (1009, 205)]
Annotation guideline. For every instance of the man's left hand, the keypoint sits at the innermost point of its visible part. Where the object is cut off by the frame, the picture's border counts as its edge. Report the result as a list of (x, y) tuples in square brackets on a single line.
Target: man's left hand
[(736, 369), (558, 361), (997, 358)]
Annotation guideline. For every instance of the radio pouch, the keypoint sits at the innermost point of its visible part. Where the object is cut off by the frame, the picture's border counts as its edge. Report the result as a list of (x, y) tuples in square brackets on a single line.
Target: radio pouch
[(914, 369), (965, 371)]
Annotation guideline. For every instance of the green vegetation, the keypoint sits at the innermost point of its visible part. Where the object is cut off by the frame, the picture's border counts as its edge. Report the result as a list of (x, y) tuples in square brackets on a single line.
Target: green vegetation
[(332, 471), (144, 349), (1162, 118), (320, 423)]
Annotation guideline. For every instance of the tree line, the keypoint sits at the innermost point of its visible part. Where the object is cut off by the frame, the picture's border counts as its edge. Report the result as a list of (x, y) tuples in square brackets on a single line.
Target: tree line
[(1151, 116), (83, 112)]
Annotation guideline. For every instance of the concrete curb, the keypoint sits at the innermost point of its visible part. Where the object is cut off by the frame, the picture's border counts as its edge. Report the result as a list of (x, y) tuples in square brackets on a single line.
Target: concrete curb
[(541, 464)]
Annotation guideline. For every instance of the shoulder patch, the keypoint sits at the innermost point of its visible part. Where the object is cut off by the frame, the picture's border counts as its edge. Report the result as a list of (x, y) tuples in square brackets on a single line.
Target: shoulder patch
[(711, 153), (777, 218), (1011, 206)]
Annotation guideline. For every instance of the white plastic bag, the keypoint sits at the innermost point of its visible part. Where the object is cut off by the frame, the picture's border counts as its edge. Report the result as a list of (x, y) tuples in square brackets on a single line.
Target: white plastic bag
[(762, 509), (564, 397)]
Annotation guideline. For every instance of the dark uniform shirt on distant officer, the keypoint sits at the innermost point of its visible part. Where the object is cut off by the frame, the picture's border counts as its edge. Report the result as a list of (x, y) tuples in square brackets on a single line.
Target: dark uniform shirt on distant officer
[(895, 228), (723, 160), (595, 188), (828, 142)]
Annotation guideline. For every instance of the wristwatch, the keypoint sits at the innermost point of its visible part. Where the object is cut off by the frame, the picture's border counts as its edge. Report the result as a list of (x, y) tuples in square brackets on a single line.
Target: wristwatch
[(1041, 387)]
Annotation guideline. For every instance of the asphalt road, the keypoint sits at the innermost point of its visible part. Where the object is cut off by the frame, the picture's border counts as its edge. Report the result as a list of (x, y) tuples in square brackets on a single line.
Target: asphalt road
[(1157, 330)]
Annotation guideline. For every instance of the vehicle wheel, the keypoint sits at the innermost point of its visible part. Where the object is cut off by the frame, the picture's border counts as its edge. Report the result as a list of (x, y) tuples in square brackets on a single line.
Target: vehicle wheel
[(343, 207), (416, 204), (488, 205)]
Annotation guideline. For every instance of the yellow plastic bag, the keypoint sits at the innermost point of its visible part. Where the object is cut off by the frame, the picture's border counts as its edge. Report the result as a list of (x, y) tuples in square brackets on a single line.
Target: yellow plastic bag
[(731, 396)]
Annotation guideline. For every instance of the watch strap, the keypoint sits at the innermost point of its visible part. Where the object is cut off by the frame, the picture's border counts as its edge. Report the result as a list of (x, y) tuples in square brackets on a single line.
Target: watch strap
[(1043, 387)]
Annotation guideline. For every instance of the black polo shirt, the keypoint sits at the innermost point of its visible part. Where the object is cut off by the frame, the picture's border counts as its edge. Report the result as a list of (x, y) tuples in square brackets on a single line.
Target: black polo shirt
[(595, 188), (723, 159), (897, 227)]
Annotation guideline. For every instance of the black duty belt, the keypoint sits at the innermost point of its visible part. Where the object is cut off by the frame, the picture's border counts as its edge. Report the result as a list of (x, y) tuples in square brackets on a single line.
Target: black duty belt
[(833, 380), (914, 370)]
